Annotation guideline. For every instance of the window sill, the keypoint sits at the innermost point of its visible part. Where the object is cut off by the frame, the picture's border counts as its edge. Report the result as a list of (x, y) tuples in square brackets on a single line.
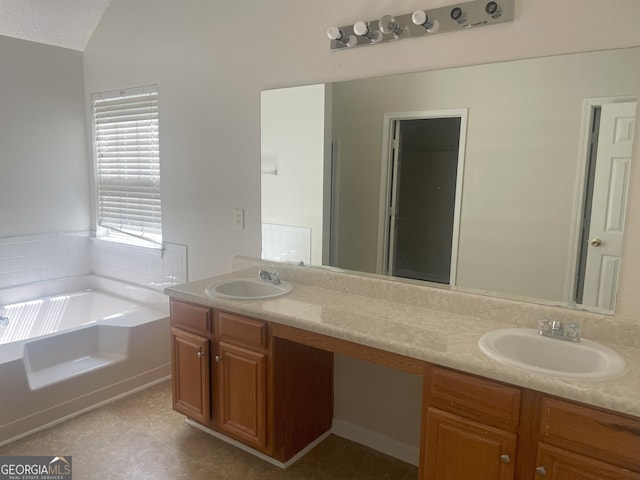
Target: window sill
[(129, 245)]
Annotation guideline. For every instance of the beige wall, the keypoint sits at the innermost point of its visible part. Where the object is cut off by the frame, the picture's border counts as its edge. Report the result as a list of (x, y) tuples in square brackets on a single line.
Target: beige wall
[(212, 59), (44, 174)]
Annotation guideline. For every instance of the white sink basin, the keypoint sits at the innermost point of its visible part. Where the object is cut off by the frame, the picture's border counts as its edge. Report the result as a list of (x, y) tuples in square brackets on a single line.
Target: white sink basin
[(524, 348), (248, 289)]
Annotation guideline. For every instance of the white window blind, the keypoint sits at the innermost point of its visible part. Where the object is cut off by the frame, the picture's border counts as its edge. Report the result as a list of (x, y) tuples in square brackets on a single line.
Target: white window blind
[(128, 162)]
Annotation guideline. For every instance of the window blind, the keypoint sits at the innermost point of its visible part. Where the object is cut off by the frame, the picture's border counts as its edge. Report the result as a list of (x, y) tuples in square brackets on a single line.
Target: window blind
[(128, 162)]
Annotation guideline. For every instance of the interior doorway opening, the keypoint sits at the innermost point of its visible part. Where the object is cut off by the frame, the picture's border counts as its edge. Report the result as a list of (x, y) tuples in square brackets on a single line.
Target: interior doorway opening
[(425, 164)]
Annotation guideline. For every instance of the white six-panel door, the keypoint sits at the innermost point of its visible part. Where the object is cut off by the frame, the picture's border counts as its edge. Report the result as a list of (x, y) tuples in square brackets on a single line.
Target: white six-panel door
[(615, 145)]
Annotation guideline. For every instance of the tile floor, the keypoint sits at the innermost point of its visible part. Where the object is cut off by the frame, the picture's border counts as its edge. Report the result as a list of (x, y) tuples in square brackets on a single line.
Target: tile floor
[(141, 437)]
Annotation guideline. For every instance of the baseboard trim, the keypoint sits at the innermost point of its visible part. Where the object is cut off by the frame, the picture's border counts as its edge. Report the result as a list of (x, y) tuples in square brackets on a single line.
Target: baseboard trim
[(256, 453), (382, 443)]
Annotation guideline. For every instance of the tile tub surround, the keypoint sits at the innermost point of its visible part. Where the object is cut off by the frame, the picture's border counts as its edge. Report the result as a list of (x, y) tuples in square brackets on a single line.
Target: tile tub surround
[(40, 257), (36, 258), (431, 324)]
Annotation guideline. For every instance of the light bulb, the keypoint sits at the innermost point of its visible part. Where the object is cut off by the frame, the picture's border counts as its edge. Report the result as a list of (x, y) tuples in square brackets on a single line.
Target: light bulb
[(334, 33), (361, 28), (421, 19), (376, 36), (493, 9), (458, 15), (389, 24)]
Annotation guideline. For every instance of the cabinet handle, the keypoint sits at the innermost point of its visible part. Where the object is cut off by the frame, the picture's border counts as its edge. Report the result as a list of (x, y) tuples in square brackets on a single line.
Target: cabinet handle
[(200, 354), (218, 358), (541, 471), (505, 458)]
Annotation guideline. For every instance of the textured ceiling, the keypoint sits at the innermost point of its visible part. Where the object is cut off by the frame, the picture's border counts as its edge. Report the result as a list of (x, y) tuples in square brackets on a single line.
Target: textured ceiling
[(63, 23)]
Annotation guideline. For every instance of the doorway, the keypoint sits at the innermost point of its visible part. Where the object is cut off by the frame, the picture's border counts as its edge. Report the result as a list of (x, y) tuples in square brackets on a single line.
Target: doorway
[(423, 193)]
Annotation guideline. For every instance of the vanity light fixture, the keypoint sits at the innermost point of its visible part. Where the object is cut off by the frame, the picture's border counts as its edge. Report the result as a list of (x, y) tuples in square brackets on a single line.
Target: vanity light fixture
[(459, 16)]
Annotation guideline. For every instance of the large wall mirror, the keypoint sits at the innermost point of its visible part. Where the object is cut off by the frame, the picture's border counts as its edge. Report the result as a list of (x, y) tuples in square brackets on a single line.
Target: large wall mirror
[(509, 179)]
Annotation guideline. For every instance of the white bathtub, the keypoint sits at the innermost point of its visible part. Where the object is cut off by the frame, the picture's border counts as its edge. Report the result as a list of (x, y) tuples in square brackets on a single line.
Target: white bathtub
[(73, 344)]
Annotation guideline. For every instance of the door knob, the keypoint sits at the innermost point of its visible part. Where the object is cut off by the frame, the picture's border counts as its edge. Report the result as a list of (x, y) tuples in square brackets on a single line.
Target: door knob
[(505, 458), (541, 471), (596, 242)]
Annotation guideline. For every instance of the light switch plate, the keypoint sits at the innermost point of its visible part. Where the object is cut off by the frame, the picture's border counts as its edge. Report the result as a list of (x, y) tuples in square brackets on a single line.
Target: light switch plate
[(238, 218)]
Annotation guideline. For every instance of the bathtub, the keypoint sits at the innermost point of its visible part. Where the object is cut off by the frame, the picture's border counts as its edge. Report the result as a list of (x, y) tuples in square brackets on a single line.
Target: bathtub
[(70, 345)]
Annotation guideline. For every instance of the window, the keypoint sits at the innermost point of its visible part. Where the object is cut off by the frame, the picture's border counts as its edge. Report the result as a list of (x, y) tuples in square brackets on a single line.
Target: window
[(125, 125)]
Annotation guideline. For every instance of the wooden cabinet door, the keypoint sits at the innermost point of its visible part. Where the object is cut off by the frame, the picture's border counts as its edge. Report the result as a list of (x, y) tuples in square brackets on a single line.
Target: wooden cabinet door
[(242, 394), (190, 375), (558, 464), (457, 448)]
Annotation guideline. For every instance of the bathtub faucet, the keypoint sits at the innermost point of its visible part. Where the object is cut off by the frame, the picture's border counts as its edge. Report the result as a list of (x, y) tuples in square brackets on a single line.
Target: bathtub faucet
[(273, 277)]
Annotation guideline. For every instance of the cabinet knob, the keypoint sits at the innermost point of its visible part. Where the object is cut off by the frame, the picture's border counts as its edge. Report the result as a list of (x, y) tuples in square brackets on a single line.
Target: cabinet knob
[(505, 458), (218, 358), (200, 354), (541, 471)]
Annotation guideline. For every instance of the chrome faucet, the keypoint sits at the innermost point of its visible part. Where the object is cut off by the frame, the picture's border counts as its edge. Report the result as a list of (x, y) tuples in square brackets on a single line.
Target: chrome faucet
[(556, 329), (272, 276)]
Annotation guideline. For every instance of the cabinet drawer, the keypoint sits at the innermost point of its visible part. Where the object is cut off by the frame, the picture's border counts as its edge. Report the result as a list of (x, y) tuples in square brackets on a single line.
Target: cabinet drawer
[(559, 463), (482, 400), (240, 330), (190, 317), (595, 433)]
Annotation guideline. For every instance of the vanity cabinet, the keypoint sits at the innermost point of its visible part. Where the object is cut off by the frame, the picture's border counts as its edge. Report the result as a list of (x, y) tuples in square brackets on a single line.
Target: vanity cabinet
[(270, 387), (230, 375), (576, 442), (469, 428), (190, 348), (240, 382), (476, 428)]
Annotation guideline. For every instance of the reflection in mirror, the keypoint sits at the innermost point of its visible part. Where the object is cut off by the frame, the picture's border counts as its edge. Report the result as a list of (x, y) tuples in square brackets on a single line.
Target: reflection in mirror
[(545, 148)]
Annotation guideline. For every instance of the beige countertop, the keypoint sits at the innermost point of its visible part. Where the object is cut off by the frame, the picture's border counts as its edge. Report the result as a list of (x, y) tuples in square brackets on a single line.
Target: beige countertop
[(438, 332)]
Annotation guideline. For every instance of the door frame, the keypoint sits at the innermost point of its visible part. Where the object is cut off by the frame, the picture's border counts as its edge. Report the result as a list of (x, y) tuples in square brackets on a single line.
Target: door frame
[(387, 165), (588, 107)]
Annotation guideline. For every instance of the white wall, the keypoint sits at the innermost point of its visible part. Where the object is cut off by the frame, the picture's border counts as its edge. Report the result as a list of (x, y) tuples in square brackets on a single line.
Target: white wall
[(212, 59), (292, 143), (210, 73), (44, 175)]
